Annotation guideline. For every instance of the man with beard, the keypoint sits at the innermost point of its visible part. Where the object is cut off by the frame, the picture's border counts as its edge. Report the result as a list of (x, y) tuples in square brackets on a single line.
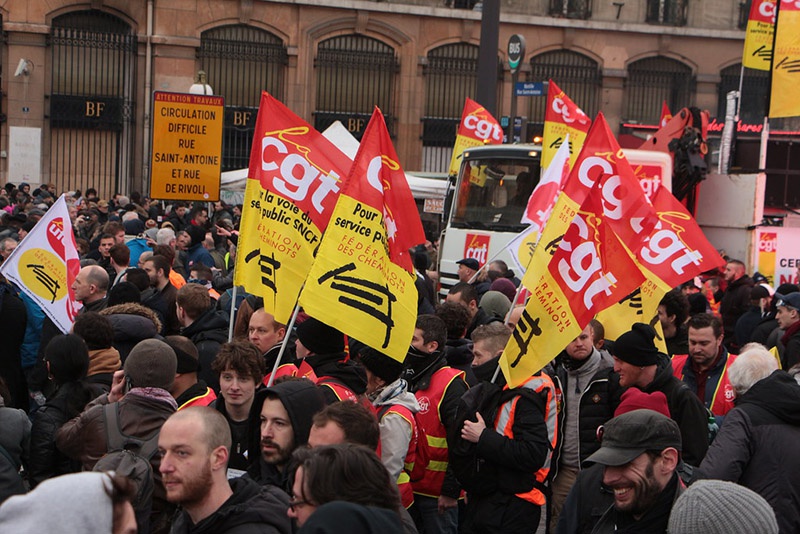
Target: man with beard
[(194, 445), (735, 301), (640, 451), (267, 334), (280, 421), (158, 269)]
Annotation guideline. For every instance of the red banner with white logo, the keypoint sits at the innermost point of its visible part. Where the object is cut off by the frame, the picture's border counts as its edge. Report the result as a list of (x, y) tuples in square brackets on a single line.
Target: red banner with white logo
[(477, 128), (562, 117)]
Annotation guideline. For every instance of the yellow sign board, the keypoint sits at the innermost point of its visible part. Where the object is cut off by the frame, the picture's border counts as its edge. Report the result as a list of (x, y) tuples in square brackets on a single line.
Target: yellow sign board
[(187, 146)]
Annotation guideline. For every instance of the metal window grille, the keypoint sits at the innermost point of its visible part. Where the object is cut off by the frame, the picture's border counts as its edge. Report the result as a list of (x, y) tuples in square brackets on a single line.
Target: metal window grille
[(577, 75), (571, 9), (450, 78), (755, 87), (93, 80), (354, 73), (240, 62), (652, 81), (667, 12)]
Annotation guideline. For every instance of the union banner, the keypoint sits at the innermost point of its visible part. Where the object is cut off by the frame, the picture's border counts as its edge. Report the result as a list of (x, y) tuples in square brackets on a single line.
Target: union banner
[(783, 101), (362, 280), (477, 128), (562, 117), (294, 180), (44, 265), (759, 35)]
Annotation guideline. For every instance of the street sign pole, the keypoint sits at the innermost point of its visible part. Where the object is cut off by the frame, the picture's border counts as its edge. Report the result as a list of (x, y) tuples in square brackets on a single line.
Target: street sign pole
[(516, 53)]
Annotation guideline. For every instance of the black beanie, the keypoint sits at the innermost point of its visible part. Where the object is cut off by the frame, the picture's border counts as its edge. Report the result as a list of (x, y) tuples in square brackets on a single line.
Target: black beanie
[(384, 367), (637, 347), (320, 338)]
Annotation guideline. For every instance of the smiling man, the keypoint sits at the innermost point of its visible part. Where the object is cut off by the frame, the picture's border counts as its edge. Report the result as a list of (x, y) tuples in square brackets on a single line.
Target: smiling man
[(194, 445), (640, 451)]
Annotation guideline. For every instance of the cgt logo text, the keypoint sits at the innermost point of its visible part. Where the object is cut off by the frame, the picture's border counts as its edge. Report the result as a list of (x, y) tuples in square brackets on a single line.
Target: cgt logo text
[(476, 246)]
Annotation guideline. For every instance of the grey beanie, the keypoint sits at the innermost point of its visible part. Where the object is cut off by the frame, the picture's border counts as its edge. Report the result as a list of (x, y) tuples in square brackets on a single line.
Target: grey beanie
[(719, 507), (151, 363)]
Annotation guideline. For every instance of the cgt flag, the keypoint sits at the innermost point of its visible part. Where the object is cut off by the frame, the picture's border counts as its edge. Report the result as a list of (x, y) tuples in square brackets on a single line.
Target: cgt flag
[(362, 280), (540, 206), (294, 180), (45, 265), (785, 79), (589, 271), (477, 128), (562, 117), (759, 35)]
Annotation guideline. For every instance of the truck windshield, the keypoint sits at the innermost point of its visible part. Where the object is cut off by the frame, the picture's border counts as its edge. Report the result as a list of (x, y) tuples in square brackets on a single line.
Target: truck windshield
[(492, 193)]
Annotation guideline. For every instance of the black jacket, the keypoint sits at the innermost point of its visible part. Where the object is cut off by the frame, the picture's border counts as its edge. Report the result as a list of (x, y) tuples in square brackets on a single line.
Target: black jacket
[(208, 332), (598, 401), (757, 447), (252, 509), (459, 356), (339, 517), (685, 409), (46, 460), (337, 367), (734, 303)]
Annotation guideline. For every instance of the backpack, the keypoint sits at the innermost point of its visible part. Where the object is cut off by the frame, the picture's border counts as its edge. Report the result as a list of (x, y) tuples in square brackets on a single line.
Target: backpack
[(474, 473), (130, 456)]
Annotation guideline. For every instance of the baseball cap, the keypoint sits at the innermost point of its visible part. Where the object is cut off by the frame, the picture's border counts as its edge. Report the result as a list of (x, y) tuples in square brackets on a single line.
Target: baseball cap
[(791, 300), (629, 435), (471, 263)]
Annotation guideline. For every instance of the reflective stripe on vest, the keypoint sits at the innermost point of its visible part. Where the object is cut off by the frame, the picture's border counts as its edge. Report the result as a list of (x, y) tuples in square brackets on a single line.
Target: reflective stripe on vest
[(201, 400), (504, 423), (404, 480), (286, 369), (722, 399), (428, 479), (341, 391)]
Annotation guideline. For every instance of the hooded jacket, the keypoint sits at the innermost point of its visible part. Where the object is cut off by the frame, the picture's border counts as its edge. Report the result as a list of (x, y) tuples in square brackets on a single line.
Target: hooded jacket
[(132, 323), (757, 446), (252, 509), (301, 399), (459, 356), (685, 409), (396, 432), (208, 332)]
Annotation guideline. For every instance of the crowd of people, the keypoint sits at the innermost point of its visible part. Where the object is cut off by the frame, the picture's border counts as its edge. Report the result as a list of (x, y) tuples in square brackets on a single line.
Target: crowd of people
[(175, 404)]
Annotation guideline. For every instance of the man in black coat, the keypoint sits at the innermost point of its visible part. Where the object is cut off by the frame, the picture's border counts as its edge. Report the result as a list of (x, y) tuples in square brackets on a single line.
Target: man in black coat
[(735, 301), (204, 325)]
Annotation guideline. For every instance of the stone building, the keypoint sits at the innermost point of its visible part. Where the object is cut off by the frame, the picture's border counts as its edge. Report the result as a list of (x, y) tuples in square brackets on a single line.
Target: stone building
[(79, 77)]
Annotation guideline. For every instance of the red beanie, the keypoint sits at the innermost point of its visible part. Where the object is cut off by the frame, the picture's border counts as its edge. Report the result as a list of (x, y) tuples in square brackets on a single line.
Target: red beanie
[(636, 399)]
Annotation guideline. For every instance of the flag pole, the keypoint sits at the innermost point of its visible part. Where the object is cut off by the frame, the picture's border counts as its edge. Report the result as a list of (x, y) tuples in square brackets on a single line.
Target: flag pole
[(284, 344), (232, 317)]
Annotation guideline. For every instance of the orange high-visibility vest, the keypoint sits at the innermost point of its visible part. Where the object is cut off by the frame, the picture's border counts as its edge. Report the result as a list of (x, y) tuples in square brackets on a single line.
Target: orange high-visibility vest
[(721, 401), (201, 400), (286, 369)]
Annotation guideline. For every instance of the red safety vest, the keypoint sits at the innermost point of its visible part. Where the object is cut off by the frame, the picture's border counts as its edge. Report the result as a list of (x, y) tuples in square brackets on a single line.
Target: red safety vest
[(304, 370), (504, 423), (341, 391), (428, 479), (404, 480), (286, 369), (722, 400), (201, 400)]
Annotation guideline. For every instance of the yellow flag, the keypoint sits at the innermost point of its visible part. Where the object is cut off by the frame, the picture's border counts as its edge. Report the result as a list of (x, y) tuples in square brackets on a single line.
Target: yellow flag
[(562, 117), (759, 34), (783, 101)]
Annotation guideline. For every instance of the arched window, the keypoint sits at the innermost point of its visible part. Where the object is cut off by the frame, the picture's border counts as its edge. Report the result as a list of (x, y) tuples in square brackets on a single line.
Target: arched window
[(652, 81), (450, 78), (577, 75), (93, 80), (240, 62), (354, 73), (755, 87)]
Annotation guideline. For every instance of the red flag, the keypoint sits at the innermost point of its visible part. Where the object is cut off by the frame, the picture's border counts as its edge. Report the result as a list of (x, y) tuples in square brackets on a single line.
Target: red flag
[(562, 117), (386, 189), (666, 114)]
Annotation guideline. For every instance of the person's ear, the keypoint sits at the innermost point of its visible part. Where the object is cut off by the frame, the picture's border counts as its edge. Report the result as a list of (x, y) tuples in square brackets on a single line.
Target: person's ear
[(669, 459)]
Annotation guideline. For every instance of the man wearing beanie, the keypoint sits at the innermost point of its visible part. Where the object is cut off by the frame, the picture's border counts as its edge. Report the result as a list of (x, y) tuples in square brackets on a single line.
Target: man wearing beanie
[(640, 365), (187, 389), (322, 347), (395, 409), (280, 421), (639, 455), (140, 395), (719, 507), (589, 391), (438, 389)]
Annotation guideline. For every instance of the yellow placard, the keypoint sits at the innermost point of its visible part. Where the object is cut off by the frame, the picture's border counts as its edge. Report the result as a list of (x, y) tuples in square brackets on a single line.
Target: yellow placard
[(187, 146)]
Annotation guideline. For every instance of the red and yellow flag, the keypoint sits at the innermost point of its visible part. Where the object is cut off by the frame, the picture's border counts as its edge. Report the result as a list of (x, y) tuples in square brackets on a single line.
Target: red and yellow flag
[(362, 280), (589, 271), (666, 114), (477, 128), (759, 34), (562, 117), (783, 101), (294, 181)]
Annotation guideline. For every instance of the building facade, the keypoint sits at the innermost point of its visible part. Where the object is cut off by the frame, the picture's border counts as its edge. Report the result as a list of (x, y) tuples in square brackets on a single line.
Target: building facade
[(78, 78)]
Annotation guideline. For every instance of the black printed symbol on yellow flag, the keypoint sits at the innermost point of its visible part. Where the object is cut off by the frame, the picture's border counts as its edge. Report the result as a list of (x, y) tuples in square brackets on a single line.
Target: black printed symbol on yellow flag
[(363, 295), (269, 267), (44, 278), (634, 300), (526, 329)]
